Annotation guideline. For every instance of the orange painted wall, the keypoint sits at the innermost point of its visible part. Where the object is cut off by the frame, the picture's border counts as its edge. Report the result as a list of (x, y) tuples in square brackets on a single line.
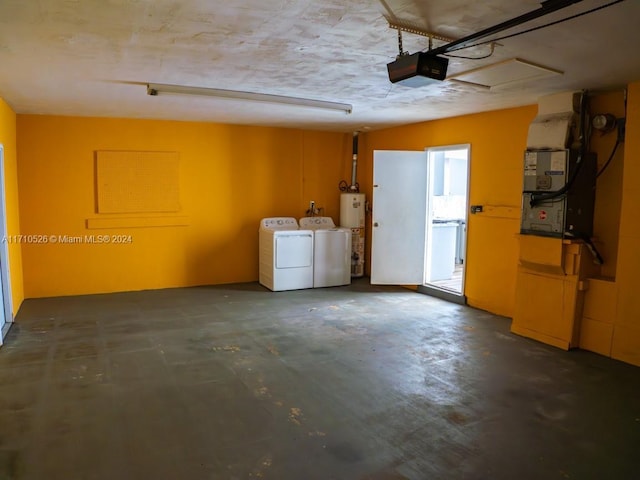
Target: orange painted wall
[(230, 178), (8, 140), (600, 299), (626, 333), (498, 140), (609, 184)]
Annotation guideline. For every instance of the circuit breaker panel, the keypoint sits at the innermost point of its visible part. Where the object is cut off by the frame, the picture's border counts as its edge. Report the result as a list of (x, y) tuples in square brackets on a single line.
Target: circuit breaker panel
[(559, 193)]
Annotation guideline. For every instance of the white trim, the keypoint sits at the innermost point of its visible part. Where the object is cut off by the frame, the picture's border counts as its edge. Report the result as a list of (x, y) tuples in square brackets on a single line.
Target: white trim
[(443, 148), (4, 253)]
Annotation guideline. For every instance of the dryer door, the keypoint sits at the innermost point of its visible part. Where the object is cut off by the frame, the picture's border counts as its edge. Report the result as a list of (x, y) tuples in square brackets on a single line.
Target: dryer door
[(294, 250)]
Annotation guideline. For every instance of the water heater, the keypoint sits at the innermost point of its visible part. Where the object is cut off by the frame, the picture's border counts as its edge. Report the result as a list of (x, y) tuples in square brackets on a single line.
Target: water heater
[(352, 209)]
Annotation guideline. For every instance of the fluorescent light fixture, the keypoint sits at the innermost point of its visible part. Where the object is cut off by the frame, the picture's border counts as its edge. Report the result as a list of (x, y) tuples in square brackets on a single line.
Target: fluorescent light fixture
[(159, 88)]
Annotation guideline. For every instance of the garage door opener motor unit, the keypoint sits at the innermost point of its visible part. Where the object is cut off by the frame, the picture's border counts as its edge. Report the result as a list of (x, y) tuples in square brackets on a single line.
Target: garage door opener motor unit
[(418, 69)]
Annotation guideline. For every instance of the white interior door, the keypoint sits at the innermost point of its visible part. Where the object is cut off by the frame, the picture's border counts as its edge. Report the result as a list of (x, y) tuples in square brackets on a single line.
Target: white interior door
[(399, 217)]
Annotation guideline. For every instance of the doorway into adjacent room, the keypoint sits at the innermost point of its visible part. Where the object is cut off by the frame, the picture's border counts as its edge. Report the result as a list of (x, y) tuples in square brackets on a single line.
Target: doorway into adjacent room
[(5, 294), (445, 249), (420, 219)]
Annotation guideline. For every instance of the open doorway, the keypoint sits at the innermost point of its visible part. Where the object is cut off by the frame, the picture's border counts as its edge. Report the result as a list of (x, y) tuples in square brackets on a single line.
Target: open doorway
[(419, 219), (5, 293), (446, 222)]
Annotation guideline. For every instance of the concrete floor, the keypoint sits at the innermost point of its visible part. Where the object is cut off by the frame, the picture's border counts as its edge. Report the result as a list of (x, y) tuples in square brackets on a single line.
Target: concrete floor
[(358, 382)]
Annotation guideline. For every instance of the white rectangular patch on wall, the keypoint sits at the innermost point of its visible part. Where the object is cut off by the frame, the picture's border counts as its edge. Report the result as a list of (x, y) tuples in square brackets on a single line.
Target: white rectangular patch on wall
[(502, 74), (137, 182)]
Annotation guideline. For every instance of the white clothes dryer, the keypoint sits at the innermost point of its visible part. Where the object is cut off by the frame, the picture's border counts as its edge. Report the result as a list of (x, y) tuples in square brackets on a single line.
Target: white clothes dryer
[(331, 252), (286, 254)]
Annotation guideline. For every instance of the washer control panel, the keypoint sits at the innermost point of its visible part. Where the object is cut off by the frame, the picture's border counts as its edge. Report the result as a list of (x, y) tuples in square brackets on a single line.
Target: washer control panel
[(317, 223), (279, 223)]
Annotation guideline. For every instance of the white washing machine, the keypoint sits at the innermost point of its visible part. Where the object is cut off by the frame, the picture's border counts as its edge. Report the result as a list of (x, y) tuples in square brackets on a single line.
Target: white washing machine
[(331, 252), (286, 254)]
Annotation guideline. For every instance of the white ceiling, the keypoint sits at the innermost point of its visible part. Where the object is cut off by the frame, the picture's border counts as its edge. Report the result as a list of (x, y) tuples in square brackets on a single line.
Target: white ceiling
[(94, 57)]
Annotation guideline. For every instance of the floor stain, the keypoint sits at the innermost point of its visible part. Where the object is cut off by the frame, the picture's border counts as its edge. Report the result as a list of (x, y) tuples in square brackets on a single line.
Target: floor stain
[(502, 336), (227, 348), (457, 418), (263, 464), (551, 413), (262, 391), (295, 415), (345, 452), (385, 476), (10, 464), (273, 350)]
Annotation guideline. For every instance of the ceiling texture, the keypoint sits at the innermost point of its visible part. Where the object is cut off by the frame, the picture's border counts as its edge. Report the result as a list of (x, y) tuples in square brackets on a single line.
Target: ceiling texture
[(95, 57)]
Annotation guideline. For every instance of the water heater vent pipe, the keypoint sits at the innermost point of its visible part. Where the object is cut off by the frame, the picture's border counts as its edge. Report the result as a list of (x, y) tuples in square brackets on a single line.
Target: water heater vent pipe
[(354, 168)]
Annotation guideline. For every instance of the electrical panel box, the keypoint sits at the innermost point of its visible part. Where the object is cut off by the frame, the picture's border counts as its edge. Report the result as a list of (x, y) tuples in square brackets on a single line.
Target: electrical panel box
[(554, 212)]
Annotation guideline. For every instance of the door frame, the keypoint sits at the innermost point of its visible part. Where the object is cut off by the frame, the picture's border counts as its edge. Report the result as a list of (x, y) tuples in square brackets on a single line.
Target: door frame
[(428, 288), (4, 253)]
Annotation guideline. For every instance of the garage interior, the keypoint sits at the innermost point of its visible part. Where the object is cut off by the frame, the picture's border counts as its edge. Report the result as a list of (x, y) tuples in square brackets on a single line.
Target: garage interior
[(161, 355)]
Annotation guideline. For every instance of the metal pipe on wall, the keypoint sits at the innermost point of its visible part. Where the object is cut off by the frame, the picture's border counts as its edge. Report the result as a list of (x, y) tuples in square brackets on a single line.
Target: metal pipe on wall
[(354, 165)]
